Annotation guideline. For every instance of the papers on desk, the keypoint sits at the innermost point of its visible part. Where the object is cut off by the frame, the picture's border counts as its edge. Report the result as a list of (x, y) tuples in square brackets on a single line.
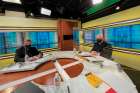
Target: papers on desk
[(20, 67), (63, 54), (92, 59), (89, 57), (99, 84), (24, 66), (94, 80), (85, 54)]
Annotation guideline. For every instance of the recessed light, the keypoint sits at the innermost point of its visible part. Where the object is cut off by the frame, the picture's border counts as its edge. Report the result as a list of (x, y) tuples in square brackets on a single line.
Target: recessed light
[(118, 7), (45, 11), (97, 1), (13, 1)]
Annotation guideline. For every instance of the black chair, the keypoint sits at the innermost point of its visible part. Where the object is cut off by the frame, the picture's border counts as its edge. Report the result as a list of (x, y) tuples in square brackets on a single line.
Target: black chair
[(107, 52)]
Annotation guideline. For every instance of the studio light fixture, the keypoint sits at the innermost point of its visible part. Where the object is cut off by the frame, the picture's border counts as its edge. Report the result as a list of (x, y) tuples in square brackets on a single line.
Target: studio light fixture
[(45, 11), (96, 2), (13, 1), (118, 7)]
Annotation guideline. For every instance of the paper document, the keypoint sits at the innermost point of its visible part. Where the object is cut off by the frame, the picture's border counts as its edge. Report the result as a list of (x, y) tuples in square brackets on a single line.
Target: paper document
[(94, 80), (92, 59)]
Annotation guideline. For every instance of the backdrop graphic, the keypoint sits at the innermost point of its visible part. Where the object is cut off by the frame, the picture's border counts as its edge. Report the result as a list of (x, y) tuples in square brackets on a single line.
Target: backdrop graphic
[(39, 39), (123, 36)]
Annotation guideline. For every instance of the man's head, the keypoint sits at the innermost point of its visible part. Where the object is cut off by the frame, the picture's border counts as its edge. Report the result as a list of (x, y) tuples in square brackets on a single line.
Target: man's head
[(27, 43), (100, 38)]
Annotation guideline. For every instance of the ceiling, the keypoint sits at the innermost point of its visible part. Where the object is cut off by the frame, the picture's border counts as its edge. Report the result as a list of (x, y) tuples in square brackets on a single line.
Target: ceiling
[(59, 8), (106, 8), (83, 10), (95, 8)]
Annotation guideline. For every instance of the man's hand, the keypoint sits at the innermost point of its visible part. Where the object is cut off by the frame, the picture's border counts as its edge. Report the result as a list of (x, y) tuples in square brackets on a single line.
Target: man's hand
[(94, 53), (40, 55), (33, 58)]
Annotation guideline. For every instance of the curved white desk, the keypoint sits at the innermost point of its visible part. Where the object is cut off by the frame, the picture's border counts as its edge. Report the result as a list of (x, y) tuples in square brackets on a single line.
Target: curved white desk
[(112, 79)]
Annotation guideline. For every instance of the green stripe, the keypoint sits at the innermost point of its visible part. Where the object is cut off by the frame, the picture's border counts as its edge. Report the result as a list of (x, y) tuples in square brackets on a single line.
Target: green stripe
[(101, 6)]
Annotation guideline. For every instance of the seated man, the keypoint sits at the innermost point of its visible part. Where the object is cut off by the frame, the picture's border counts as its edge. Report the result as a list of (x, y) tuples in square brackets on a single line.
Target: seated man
[(102, 48), (27, 53)]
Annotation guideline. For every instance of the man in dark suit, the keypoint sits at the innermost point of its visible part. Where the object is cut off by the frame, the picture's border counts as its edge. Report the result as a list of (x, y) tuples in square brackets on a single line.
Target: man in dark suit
[(27, 53), (102, 48)]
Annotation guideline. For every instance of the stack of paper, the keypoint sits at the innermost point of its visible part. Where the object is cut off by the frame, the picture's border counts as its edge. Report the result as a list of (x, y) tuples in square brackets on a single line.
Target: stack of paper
[(85, 54), (19, 67), (92, 59)]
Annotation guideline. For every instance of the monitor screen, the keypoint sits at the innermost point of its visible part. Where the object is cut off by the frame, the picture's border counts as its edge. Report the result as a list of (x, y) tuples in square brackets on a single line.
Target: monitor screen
[(68, 37)]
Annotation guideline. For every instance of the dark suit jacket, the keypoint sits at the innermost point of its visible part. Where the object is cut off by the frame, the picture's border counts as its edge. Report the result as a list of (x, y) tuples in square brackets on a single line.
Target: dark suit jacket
[(104, 49), (20, 53)]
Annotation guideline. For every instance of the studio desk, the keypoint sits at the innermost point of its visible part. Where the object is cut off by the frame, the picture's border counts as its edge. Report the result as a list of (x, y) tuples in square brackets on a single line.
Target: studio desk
[(80, 73)]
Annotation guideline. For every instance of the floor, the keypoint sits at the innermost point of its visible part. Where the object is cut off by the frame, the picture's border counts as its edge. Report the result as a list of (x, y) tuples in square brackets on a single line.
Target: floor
[(134, 75)]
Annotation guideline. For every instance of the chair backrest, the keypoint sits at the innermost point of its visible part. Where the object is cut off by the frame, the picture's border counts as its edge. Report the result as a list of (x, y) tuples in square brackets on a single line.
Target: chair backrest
[(107, 51)]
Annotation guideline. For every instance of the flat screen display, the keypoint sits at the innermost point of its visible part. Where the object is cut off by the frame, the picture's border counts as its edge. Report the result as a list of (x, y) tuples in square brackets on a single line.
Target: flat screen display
[(68, 37)]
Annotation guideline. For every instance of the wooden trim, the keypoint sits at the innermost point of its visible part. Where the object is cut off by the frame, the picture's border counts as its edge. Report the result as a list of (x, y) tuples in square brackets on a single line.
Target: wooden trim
[(22, 27), (28, 28)]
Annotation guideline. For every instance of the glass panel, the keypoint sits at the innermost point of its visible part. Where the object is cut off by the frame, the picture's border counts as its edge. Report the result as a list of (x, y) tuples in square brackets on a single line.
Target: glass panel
[(43, 39), (90, 36), (10, 38), (39, 40), (1, 43), (94, 33), (125, 36), (76, 37), (7, 42), (33, 37)]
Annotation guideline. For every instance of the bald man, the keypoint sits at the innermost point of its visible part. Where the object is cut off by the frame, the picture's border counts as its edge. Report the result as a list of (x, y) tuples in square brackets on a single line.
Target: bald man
[(27, 53), (101, 47)]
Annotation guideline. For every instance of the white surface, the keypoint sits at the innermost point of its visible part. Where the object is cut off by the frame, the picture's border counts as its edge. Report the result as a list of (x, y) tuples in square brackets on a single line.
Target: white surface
[(80, 85), (18, 67), (61, 71), (109, 73), (120, 85), (85, 54), (20, 81), (92, 59), (25, 66)]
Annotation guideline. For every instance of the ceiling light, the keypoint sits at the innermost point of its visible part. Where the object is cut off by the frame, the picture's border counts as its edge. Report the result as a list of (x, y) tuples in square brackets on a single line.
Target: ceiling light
[(118, 7), (13, 1), (97, 1), (45, 11)]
